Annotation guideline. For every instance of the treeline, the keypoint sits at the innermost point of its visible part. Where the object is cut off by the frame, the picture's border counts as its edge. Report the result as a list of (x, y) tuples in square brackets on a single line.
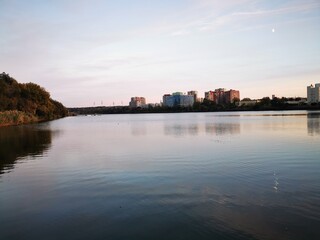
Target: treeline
[(126, 109), (26, 102), (283, 103)]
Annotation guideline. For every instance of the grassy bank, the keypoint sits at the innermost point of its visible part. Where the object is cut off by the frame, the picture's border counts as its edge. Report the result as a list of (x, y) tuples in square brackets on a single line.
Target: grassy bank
[(14, 117)]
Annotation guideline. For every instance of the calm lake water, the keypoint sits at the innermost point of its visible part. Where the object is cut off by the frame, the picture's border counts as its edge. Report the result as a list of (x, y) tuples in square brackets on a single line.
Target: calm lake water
[(239, 175)]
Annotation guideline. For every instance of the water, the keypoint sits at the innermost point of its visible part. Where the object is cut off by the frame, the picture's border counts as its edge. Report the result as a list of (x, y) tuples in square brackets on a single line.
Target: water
[(253, 175)]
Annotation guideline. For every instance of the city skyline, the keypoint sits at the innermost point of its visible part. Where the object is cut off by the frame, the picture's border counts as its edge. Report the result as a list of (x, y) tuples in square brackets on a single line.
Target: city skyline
[(91, 51)]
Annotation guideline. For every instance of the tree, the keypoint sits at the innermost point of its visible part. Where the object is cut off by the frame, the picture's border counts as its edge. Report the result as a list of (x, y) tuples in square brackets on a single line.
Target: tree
[(29, 98), (265, 101)]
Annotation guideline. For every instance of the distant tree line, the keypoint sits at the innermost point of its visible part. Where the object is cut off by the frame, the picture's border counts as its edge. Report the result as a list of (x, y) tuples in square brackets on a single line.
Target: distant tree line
[(29, 99), (283, 104)]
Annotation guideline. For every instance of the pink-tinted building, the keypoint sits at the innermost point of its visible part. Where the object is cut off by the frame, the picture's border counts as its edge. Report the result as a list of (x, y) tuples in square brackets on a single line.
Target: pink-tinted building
[(137, 102), (232, 96), (222, 96), (210, 96)]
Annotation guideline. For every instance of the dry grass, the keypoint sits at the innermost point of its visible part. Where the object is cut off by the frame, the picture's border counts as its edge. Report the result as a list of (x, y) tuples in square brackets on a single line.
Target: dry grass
[(8, 118)]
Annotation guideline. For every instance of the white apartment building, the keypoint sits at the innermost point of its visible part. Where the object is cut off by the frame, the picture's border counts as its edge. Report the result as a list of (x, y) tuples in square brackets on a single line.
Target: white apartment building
[(313, 93)]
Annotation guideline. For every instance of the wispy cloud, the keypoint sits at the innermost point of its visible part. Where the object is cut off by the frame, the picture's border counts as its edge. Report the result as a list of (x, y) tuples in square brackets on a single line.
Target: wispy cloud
[(234, 14)]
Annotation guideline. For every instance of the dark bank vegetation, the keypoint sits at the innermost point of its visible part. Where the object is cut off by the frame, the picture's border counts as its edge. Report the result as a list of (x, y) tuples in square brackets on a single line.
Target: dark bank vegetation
[(267, 104), (22, 103)]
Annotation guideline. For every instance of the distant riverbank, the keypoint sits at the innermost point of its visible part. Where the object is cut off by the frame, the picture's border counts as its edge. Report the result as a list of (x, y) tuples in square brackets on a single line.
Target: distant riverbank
[(128, 110)]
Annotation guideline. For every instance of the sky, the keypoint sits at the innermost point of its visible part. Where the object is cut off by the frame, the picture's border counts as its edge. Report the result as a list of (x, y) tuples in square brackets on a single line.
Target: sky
[(103, 52)]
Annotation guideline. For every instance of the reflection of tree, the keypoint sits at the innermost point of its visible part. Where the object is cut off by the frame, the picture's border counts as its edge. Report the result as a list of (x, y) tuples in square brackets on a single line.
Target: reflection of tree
[(313, 123), (22, 141), (222, 128)]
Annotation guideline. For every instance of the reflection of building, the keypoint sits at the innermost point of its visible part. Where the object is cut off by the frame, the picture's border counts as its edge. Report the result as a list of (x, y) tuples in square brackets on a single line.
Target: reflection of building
[(222, 128), (218, 128), (222, 96), (313, 122), (137, 102), (138, 129), (181, 129), (178, 99), (313, 93)]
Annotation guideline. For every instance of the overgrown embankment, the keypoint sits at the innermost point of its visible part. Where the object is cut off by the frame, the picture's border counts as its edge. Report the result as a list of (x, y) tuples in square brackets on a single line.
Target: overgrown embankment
[(22, 103), (8, 118)]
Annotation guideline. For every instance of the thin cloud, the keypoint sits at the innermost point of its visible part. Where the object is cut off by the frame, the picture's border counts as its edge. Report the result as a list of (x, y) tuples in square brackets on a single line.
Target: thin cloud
[(212, 21), (284, 10)]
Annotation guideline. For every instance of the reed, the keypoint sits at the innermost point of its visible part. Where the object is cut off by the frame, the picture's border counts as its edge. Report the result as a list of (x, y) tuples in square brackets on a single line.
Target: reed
[(14, 117)]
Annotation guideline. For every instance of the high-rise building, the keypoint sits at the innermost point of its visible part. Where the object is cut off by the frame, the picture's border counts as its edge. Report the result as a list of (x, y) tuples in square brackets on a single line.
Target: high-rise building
[(137, 102), (168, 100), (211, 96), (313, 93), (231, 96), (222, 96), (178, 99), (194, 94)]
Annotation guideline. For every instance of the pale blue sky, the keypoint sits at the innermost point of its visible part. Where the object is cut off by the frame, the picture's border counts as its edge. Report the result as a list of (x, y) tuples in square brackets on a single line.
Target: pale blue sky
[(92, 51)]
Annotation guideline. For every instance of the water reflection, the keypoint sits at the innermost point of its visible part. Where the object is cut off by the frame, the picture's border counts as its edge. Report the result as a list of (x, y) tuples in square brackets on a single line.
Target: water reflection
[(222, 128), (181, 129), (313, 123), (116, 172), (196, 128), (21, 141), (138, 129)]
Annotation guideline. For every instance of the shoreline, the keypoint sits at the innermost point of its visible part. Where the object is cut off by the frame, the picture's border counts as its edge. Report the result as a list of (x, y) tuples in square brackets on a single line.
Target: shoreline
[(35, 119), (126, 110), (17, 118)]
